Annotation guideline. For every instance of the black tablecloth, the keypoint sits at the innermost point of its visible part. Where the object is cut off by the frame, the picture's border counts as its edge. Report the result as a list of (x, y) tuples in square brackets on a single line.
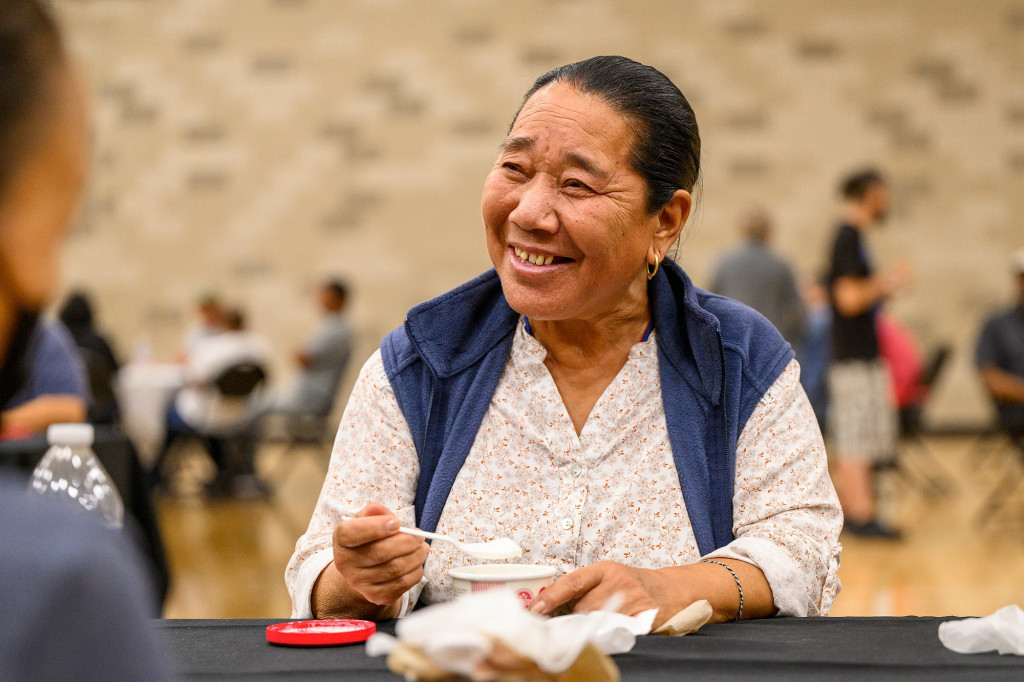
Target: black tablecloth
[(119, 457), (783, 648)]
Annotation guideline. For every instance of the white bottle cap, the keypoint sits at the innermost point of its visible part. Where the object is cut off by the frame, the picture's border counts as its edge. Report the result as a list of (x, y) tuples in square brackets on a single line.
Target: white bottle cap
[(70, 434)]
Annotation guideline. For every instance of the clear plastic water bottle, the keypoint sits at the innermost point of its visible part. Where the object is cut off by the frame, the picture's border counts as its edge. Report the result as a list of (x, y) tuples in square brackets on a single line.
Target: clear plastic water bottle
[(71, 471)]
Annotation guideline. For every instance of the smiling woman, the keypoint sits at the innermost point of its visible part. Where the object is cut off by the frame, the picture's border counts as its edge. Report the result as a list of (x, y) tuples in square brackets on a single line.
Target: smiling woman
[(647, 438)]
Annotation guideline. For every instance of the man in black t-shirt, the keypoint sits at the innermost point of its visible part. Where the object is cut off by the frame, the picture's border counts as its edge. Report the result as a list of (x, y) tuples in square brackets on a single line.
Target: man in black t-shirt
[(862, 418)]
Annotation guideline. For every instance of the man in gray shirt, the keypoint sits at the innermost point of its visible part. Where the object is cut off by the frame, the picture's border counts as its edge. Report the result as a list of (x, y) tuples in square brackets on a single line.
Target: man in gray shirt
[(324, 358), (754, 275)]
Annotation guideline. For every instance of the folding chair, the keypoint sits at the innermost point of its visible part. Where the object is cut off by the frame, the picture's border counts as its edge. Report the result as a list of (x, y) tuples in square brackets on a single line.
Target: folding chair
[(296, 433), (1002, 494), (240, 381), (919, 464)]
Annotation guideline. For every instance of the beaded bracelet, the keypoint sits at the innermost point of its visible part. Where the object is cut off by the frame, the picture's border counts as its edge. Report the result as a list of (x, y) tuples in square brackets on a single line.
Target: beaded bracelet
[(734, 577)]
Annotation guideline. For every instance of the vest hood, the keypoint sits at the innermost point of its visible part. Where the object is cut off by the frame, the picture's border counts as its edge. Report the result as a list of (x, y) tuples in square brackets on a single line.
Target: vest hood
[(456, 330)]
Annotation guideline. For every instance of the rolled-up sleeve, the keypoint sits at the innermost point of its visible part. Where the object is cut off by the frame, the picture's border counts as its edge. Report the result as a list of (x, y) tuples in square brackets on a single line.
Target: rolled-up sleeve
[(786, 516), (373, 460)]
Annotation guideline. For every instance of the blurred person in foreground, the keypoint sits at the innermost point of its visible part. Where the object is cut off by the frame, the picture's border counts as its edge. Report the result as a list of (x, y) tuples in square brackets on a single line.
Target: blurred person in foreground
[(862, 419), (999, 357), (649, 439), (199, 409), (57, 387), (73, 600), (101, 363), (756, 275)]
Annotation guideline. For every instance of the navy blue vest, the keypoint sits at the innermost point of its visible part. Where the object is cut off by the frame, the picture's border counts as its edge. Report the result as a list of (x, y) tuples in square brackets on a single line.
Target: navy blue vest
[(716, 359)]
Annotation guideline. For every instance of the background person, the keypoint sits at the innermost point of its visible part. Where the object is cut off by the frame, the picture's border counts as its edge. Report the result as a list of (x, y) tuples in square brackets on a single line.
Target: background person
[(999, 357), (755, 275), (322, 360), (98, 356), (815, 350), (574, 400), (199, 409), (209, 322), (862, 418)]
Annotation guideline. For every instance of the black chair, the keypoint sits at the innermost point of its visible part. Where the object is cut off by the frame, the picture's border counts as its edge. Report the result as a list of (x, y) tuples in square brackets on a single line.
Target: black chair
[(239, 381), (1009, 437), (916, 462), (309, 432), (295, 433)]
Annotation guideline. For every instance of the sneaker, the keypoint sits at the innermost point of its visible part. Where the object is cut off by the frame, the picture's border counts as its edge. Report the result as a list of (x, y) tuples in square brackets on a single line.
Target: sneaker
[(872, 529)]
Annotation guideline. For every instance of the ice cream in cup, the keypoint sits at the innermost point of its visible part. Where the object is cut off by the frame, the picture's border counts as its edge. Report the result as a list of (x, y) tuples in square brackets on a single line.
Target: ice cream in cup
[(525, 580)]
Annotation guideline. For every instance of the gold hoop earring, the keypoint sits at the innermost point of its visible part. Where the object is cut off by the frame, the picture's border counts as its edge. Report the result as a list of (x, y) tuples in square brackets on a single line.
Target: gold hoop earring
[(652, 273)]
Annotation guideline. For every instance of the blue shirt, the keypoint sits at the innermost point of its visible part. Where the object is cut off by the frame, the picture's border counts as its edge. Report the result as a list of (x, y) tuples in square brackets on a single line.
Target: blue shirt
[(56, 366), (74, 599)]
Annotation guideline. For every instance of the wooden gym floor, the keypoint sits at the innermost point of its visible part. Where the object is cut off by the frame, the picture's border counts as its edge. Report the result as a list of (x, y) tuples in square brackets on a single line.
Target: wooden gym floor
[(228, 557)]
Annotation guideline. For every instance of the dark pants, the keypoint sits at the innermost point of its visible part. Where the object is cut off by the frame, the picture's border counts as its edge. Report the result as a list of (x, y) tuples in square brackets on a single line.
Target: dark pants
[(218, 447)]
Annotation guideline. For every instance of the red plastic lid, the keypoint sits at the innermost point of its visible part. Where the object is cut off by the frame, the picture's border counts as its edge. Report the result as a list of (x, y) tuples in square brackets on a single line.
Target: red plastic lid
[(320, 632)]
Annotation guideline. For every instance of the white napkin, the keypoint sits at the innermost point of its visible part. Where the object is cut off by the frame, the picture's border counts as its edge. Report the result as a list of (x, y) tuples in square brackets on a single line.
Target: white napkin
[(1003, 631), (458, 635)]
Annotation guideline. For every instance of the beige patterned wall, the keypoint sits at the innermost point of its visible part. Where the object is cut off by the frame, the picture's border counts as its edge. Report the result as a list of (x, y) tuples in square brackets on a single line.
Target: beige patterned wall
[(252, 146)]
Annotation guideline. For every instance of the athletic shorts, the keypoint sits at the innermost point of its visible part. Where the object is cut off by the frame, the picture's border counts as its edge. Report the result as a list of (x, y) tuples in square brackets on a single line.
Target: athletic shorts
[(862, 420)]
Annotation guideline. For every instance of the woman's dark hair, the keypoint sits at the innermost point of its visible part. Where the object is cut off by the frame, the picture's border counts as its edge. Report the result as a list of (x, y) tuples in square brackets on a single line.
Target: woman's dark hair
[(30, 53), (666, 146), (856, 185), (76, 313)]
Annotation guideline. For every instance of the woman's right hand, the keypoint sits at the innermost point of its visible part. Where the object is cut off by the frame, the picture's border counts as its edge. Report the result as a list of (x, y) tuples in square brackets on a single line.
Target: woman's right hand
[(377, 563)]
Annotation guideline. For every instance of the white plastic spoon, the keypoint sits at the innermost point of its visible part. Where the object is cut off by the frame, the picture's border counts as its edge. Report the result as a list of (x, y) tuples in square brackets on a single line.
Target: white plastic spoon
[(502, 548)]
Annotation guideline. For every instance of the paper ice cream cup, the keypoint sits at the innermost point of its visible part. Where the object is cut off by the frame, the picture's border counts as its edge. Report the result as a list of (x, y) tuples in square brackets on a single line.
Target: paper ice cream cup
[(524, 580)]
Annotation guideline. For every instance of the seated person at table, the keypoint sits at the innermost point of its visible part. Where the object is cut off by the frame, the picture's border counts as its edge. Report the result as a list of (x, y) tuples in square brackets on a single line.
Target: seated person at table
[(100, 362), (1000, 357), (321, 361), (200, 410), (584, 398), (57, 391)]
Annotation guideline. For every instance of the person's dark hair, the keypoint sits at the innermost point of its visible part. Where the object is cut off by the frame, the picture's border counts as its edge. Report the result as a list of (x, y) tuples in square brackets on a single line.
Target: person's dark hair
[(856, 185), (666, 141), (30, 55), (338, 288), (234, 320), (76, 313)]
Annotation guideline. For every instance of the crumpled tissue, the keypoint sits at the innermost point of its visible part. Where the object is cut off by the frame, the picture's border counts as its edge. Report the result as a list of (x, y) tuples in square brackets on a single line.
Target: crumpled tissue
[(1003, 631), (459, 636)]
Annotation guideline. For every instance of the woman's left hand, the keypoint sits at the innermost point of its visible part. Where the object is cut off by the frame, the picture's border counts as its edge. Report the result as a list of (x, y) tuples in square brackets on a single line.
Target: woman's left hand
[(670, 590), (639, 589)]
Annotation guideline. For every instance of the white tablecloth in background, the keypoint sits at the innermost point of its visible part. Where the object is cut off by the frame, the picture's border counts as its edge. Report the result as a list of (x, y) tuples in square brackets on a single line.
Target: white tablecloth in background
[(144, 390)]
